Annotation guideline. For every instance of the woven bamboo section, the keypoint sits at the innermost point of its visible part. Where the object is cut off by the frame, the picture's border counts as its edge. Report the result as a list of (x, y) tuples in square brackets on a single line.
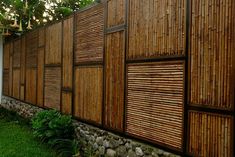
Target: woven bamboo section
[(88, 93), (156, 28), (6, 55), (89, 35), (22, 61), (210, 135), (212, 53), (6, 82), (155, 101), (52, 87), (67, 103), (40, 76)]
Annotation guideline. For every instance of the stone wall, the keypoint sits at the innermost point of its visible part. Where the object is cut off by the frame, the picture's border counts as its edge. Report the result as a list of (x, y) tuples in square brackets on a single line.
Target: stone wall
[(103, 143)]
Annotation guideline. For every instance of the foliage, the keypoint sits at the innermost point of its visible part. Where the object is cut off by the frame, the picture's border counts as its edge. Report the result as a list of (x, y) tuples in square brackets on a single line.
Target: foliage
[(56, 130), (16, 138), (36, 12)]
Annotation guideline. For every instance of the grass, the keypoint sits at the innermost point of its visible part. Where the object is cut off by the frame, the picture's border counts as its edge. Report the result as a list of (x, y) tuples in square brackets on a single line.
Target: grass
[(17, 140)]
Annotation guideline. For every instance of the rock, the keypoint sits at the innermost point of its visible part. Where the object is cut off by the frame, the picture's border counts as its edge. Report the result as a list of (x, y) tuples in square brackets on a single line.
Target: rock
[(154, 154), (121, 151), (166, 154), (106, 144), (113, 143), (131, 153), (99, 140), (111, 153), (128, 146), (95, 146), (139, 151), (160, 152), (101, 150)]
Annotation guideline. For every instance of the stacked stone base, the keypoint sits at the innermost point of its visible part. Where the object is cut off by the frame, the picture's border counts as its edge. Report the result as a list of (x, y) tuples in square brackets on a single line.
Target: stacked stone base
[(103, 143)]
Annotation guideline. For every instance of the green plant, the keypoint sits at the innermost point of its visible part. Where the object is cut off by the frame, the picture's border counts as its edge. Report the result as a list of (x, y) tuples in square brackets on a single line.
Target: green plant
[(55, 129)]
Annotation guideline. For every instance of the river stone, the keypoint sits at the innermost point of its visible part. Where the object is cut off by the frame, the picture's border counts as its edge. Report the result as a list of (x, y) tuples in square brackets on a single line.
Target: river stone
[(99, 140), (139, 151), (111, 153)]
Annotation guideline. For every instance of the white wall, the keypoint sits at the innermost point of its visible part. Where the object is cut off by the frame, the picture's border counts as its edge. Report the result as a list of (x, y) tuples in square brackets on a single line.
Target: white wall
[(1, 65)]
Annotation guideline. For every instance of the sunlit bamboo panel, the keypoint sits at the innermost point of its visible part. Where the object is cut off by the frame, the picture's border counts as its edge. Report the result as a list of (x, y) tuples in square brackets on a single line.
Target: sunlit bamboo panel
[(116, 12), (16, 53), (114, 84), (31, 49), (212, 53), (155, 96), (156, 28), (210, 135), (53, 44), (89, 93), (52, 88), (89, 34)]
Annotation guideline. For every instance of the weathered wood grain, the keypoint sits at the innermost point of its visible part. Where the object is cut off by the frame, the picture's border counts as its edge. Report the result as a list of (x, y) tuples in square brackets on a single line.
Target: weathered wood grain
[(115, 12), (114, 85), (66, 103), (16, 83), (89, 93), (40, 76), (31, 86)]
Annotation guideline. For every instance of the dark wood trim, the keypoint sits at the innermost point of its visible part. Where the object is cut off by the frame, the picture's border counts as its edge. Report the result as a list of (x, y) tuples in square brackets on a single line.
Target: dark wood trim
[(211, 110), (53, 65), (157, 59), (67, 89), (115, 29), (89, 63)]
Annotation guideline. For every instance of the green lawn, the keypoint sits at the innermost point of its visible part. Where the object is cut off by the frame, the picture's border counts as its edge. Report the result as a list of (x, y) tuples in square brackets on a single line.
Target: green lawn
[(16, 139)]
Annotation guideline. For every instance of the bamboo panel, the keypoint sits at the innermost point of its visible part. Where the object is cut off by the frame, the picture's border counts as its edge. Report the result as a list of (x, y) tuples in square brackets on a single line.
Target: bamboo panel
[(67, 103), (22, 91), (114, 71), (16, 53), (89, 35), (41, 37), (210, 135), (212, 53), (155, 96), (40, 76), (16, 83), (156, 28), (22, 59), (89, 93), (53, 43), (6, 56), (67, 52), (31, 49), (31, 86), (116, 12), (52, 87), (6, 82), (10, 68)]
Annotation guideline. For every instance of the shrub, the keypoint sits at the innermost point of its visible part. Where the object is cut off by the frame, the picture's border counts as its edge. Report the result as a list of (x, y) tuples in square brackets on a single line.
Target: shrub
[(55, 129)]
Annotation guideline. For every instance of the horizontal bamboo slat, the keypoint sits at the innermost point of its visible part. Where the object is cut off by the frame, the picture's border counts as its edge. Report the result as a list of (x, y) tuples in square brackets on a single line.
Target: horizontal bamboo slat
[(155, 97), (89, 34), (52, 87), (212, 53), (156, 28), (88, 93), (210, 135)]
